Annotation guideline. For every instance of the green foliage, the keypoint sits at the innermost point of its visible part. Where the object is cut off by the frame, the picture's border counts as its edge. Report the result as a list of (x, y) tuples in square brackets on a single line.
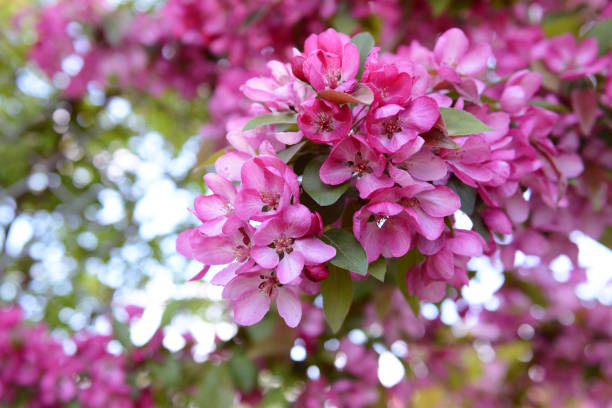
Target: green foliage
[(350, 254), (602, 32), (365, 43), (400, 267), (269, 119), (459, 122), (337, 292), (378, 269), (322, 193)]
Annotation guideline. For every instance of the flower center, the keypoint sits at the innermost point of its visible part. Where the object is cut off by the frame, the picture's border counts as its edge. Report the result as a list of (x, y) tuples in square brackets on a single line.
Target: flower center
[(391, 127), (283, 244), (268, 284), (324, 122), (242, 249), (359, 165), (380, 220), (410, 202), (270, 199)]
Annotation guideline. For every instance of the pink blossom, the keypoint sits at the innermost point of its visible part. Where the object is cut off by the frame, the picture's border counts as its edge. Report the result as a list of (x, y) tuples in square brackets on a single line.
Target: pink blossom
[(324, 122), (268, 187), (453, 56), (330, 60), (282, 243), (353, 158), (250, 295)]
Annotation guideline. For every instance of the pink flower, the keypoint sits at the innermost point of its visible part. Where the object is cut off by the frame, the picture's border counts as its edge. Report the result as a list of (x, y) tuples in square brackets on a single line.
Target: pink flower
[(519, 89), (453, 56), (324, 122), (563, 55), (214, 210), (330, 60), (382, 227), (413, 164), (389, 84), (392, 126), (353, 158), (268, 187), (280, 91), (250, 295), (282, 243)]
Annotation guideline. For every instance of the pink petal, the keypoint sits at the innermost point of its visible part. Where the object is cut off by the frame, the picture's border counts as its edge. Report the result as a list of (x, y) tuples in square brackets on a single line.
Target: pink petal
[(450, 47), (398, 237), (200, 274), (248, 203), (372, 241), (350, 62), (251, 307), (496, 220), (439, 202), (240, 285), (213, 250), (421, 114), (225, 275), (230, 163), (441, 265), (314, 250), (430, 227), (468, 243), (220, 186), (290, 267), (183, 243), (265, 256), (369, 183), (334, 172), (425, 165), (209, 207), (289, 307), (297, 220), (513, 99), (475, 60)]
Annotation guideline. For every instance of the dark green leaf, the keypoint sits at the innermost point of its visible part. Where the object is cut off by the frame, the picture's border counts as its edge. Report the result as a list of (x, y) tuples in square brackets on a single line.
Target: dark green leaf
[(349, 252), (287, 154), (243, 371), (466, 193), (322, 193), (378, 269), (602, 32), (402, 265), (121, 332), (606, 237), (364, 42), (337, 292), (438, 6), (561, 22), (269, 119), (460, 123)]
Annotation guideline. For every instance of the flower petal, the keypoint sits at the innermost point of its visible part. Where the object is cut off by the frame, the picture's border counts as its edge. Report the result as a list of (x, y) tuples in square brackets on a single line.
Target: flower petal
[(289, 307)]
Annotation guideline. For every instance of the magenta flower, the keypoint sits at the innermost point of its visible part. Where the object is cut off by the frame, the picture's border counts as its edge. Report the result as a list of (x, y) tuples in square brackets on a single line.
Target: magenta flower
[(324, 122), (214, 210), (413, 164), (330, 60), (519, 89), (383, 227), (563, 55), (282, 243), (426, 206), (268, 187), (390, 127), (390, 86), (250, 295), (453, 56), (353, 157)]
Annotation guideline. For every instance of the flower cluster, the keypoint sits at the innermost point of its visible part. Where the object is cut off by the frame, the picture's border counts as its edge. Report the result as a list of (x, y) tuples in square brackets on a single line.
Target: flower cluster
[(383, 145)]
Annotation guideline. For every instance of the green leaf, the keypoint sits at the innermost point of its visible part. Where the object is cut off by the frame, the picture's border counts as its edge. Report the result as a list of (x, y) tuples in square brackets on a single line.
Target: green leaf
[(215, 387), (365, 43), (466, 193), (337, 292), (602, 32), (322, 193), (561, 22), (270, 119), (606, 237), (121, 332), (378, 269), (438, 6), (287, 154), (243, 371), (349, 252), (402, 265), (460, 123)]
